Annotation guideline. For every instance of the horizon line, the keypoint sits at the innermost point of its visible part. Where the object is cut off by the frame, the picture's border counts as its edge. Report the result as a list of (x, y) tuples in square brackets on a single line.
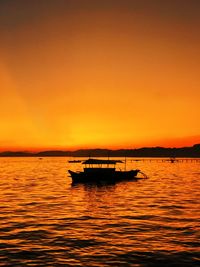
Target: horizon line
[(97, 148)]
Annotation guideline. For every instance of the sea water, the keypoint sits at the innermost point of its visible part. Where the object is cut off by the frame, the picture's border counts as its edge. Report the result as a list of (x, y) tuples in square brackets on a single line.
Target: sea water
[(45, 221)]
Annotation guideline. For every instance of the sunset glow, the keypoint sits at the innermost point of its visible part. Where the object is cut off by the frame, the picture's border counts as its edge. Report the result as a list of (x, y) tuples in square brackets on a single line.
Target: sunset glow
[(85, 74)]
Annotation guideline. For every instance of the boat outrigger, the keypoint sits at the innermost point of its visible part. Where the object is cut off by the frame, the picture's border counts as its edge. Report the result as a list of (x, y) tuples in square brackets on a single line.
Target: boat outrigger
[(102, 172)]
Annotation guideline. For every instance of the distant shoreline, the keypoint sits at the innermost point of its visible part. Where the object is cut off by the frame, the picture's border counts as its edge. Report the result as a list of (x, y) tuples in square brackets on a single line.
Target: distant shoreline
[(193, 151)]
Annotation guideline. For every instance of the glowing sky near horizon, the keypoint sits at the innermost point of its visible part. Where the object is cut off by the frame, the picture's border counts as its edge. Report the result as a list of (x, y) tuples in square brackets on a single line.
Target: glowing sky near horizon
[(79, 74)]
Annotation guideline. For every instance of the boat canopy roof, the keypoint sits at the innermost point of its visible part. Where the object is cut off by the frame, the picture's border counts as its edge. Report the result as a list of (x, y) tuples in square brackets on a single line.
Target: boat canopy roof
[(101, 161)]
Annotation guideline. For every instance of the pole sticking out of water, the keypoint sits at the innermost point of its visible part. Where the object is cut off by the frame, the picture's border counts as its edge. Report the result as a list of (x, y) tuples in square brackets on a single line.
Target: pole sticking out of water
[(108, 160), (125, 164)]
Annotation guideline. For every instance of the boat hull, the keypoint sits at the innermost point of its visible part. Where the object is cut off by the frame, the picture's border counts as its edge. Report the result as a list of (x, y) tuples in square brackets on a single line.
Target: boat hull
[(105, 177)]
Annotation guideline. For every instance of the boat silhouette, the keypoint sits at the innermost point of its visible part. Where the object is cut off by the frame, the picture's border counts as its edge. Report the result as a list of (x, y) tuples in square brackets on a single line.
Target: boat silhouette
[(98, 170), (74, 161)]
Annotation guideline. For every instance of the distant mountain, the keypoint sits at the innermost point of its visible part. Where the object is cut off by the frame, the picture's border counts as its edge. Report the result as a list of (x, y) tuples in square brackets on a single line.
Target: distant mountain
[(16, 154), (193, 151)]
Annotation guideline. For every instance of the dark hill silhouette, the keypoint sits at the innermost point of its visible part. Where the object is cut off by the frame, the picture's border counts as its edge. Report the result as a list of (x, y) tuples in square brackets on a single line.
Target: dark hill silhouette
[(193, 151)]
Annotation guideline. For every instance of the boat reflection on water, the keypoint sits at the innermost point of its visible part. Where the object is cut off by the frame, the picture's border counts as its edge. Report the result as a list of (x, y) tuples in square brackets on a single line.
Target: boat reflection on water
[(103, 172)]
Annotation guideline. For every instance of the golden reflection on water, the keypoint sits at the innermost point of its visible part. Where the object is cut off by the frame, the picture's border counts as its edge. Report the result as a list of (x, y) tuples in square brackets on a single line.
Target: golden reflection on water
[(42, 213)]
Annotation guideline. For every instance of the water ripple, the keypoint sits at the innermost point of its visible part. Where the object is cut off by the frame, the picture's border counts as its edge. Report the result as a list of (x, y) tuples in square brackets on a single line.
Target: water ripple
[(47, 222)]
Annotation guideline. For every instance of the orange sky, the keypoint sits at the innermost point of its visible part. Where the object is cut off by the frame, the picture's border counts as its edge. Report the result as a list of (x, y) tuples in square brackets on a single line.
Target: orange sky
[(79, 74)]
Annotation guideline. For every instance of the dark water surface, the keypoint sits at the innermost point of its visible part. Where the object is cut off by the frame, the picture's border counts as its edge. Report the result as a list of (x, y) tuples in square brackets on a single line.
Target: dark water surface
[(44, 221)]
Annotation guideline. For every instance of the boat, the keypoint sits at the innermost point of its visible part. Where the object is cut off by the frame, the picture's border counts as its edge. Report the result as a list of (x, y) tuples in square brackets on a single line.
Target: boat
[(74, 161), (98, 170)]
